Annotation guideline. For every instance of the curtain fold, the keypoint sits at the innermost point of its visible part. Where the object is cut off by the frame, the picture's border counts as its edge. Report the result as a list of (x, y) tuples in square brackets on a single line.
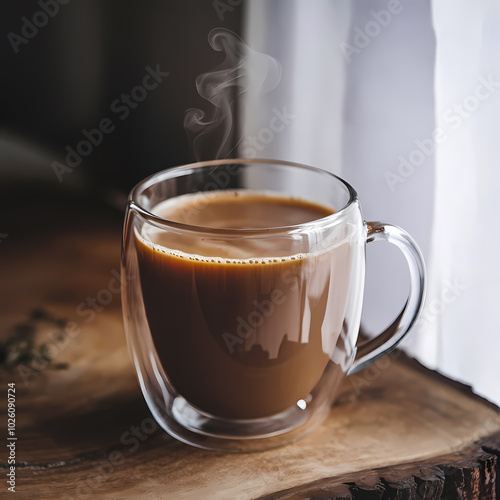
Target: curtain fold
[(458, 333), (305, 40)]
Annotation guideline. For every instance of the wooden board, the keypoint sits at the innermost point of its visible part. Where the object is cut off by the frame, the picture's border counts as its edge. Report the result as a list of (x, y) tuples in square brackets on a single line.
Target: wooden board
[(84, 431)]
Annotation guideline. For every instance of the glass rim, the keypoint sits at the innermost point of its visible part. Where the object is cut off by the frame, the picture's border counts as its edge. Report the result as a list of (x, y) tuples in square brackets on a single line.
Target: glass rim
[(134, 204)]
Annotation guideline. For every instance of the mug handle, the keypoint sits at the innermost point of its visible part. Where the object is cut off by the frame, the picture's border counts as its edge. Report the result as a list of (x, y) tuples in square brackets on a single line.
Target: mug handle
[(386, 341)]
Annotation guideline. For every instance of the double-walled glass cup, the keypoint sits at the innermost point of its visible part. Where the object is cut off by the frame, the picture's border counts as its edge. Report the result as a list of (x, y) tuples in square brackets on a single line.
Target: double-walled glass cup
[(243, 348)]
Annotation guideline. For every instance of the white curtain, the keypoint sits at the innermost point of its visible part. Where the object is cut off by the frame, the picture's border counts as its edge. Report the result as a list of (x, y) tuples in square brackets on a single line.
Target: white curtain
[(459, 332), (402, 98), (299, 35)]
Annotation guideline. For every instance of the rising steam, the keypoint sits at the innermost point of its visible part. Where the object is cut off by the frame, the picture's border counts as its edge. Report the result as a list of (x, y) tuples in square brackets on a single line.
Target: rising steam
[(213, 134)]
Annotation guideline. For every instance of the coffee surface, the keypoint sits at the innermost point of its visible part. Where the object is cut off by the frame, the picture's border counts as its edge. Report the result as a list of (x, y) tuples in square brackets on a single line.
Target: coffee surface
[(240, 210), (232, 210), (244, 328)]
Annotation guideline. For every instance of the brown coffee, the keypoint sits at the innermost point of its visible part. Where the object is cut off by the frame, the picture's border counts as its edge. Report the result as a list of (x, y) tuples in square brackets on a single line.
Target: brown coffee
[(242, 327)]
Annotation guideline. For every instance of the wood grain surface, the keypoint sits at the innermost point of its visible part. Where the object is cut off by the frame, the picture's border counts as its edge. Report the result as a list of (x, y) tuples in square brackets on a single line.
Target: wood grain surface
[(84, 431)]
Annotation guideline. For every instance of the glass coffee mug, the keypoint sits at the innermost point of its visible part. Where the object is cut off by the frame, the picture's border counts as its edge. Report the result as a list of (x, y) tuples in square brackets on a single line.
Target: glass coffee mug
[(243, 298)]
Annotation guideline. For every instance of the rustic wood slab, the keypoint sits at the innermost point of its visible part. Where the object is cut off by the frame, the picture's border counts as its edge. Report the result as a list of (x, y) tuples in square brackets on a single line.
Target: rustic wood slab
[(84, 431)]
